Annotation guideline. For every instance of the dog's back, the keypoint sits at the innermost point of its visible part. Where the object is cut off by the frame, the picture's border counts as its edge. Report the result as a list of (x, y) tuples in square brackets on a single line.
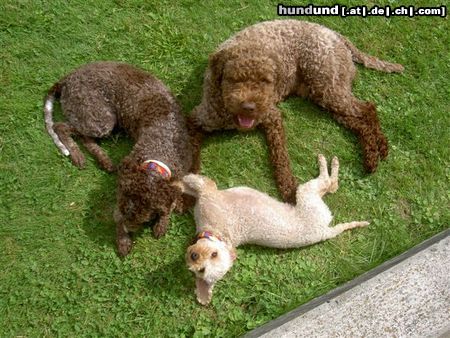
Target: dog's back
[(100, 96), (133, 96)]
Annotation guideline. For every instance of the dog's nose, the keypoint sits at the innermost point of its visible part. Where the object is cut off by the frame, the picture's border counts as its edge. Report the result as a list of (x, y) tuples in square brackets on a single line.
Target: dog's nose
[(201, 270), (194, 256), (250, 106)]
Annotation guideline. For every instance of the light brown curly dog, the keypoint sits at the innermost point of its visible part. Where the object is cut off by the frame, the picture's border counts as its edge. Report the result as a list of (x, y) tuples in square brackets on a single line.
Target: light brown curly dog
[(226, 219), (98, 97), (263, 64)]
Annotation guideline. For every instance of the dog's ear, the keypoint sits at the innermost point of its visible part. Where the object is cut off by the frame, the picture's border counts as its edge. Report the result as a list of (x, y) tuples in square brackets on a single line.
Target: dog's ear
[(179, 185), (184, 188), (233, 254), (203, 291), (216, 65)]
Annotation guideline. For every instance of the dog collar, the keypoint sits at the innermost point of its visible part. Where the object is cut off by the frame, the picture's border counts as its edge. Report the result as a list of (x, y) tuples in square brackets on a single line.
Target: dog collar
[(208, 235), (157, 166)]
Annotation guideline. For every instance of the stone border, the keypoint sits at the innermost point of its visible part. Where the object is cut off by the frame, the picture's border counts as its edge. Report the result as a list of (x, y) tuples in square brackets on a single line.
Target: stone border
[(283, 319)]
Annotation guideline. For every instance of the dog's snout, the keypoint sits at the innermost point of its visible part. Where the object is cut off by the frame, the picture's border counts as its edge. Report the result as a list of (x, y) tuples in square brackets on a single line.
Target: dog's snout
[(194, 256), (249, 106), (201, 270)]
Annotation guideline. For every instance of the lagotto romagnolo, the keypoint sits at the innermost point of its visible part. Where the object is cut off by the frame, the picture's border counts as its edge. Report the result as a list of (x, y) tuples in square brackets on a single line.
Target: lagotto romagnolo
[(251, 72), (101, 96), (228, 218)]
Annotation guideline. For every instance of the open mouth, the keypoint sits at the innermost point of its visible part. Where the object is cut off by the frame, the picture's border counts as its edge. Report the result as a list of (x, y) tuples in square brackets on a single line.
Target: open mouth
[(245, 122)]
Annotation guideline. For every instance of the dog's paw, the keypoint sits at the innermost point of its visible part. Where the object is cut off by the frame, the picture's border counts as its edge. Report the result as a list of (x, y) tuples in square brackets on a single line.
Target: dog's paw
[(321, 159), (159, 230), (383, 148), (78, 159), (203, 301), (124, 245), (111, 168), (371, 161)]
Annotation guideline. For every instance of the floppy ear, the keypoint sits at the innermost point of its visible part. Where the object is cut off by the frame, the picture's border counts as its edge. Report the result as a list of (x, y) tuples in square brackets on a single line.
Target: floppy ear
[(203, 291), (216, 65), (178, 184), (233, 254)]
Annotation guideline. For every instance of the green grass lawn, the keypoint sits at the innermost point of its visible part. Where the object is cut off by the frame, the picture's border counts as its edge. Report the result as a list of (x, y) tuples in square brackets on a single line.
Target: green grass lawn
[(59, 272)]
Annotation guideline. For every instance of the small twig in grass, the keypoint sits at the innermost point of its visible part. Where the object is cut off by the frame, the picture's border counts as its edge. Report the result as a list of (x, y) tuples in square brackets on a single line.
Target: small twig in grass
[(273, 294), (241, 9)]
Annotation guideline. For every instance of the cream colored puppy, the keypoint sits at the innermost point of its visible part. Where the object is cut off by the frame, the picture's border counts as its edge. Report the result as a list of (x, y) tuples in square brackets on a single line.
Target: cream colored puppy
[(228, 218)]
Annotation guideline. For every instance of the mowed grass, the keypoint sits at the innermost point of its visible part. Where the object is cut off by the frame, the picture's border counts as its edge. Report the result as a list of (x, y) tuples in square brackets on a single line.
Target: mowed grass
[(59, 272)]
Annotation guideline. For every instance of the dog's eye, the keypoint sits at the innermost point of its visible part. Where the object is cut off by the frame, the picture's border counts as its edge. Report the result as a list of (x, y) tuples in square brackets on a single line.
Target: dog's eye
[(194, 256), (214, 254)]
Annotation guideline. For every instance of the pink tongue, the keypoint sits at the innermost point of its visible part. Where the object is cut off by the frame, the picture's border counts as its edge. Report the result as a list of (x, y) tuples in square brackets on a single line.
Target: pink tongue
[(245, 122)]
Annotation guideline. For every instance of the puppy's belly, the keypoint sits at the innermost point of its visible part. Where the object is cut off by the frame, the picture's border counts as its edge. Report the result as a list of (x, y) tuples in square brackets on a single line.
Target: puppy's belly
[(282, 229), (273, 228)]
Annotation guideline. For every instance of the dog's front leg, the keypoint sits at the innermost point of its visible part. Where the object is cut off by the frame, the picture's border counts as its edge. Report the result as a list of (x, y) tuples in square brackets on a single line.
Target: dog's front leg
[(160, 228), (276, 140), (123, 239)]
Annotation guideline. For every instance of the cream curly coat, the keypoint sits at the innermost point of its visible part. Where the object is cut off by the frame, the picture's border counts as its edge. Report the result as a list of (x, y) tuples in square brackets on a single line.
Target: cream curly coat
[(243, 215)]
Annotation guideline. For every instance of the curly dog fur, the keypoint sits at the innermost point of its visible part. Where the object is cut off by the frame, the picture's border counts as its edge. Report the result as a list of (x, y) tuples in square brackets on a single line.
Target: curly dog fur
[(258, 67), (228, 218), (98, 97)]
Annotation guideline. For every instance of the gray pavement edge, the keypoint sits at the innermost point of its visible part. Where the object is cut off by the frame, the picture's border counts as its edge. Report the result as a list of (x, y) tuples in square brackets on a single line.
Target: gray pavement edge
[(345, 287)]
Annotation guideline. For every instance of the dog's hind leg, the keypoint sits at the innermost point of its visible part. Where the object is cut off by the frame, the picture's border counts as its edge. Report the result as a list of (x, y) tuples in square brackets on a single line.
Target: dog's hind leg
[(102, 158), (361, 118), (65, 132), (366, 127), (334, 180), (333, 91), (330, 232), (324, 183)]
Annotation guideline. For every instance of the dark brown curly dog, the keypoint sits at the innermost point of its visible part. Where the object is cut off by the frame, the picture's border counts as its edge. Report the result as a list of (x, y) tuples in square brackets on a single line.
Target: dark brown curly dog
[(97, 97), (263, 64)]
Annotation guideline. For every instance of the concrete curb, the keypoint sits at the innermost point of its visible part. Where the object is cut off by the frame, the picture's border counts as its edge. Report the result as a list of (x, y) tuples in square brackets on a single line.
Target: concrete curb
[(276, 323)]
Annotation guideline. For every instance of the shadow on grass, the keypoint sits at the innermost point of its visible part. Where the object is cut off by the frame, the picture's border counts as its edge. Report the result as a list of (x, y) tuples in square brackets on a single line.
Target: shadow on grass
[(98, 222), (190, 96), (173, 279)]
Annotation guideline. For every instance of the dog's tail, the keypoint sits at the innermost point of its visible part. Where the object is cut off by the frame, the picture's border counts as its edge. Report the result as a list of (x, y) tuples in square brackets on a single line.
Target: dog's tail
[(53, 93), (371, 61), (195, 185)]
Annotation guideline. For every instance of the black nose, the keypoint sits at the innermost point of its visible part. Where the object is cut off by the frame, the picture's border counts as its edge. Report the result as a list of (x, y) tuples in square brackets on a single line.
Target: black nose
[(250, 106), (194, 256), (201, 270)]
